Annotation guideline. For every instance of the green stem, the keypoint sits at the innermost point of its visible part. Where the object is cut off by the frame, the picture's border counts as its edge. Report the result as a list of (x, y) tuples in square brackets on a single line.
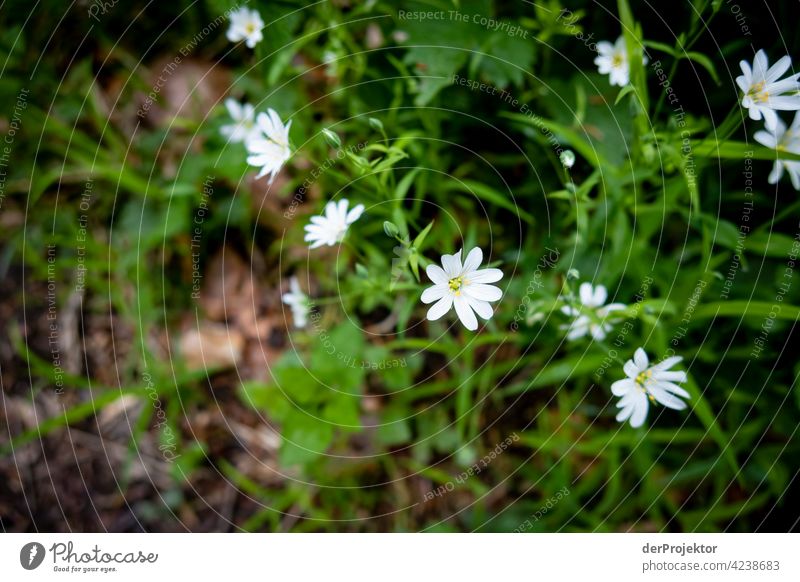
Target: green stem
[(694, 33)]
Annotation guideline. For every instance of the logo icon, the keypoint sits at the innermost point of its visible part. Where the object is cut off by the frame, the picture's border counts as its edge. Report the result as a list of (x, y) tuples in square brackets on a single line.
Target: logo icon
[(31, 555)]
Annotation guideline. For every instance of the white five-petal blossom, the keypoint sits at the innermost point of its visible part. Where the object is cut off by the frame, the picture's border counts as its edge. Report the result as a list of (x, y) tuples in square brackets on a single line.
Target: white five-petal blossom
[(298, 302), (764, 90), (245, 25), (330, 228), (646, 383), (463, 286), (592, 316), (783, 140), (269, 147), (612, 60), (243, 127)]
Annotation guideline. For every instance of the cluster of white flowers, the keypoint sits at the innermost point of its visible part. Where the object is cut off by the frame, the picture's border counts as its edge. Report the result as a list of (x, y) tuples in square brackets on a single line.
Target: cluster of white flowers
[(764, 93), (463, 285), (265, 137), (592, 316), (644, 383), (326, 229)]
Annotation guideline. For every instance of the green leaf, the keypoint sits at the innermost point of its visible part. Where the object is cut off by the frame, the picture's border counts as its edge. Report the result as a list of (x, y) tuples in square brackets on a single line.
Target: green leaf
[(625, 90), (704, 411), (769, 244), (394, 428), (747, 309), (421, 236), (504, 58), (488, 194), (304, 439), (705, 62), (699, 58), (736, 150)]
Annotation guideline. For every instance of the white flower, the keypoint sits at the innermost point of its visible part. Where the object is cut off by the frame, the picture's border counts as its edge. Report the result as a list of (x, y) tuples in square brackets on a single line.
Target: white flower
[(246, 24), (400, 36), (783, 140), (764, 93), (647, 383), (269, 147), (330, 228), (298, 302), (464, 286), (592, 299), (612, 60), (567, 158), (243, 127)]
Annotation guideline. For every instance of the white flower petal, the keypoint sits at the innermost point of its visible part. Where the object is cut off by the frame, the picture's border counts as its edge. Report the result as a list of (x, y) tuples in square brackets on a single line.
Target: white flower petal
[(766, 138), (625, 413), (640, 359), (440, 307), (452, 265), (234, 109), (743, 83), (674, 388), (776, 173), (577, 332), (482, 291), (355, 213), (611, 307), (640, 411), (667, 363), (665, 398), (779, 68), (600, 295), (586, 293), (473, 260), (434, 293), (605, 48), (482, 308), (437, 274), (486, 276), (622, 387), (631, 369), (465, 313), (667, 376), (599, 331), (341, 209)]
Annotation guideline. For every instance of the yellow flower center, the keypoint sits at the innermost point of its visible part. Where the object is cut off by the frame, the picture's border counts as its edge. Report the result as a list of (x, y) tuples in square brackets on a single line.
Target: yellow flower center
[(616, 61), (250, 28), (455, 285), (757, 92), (642, 380)]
